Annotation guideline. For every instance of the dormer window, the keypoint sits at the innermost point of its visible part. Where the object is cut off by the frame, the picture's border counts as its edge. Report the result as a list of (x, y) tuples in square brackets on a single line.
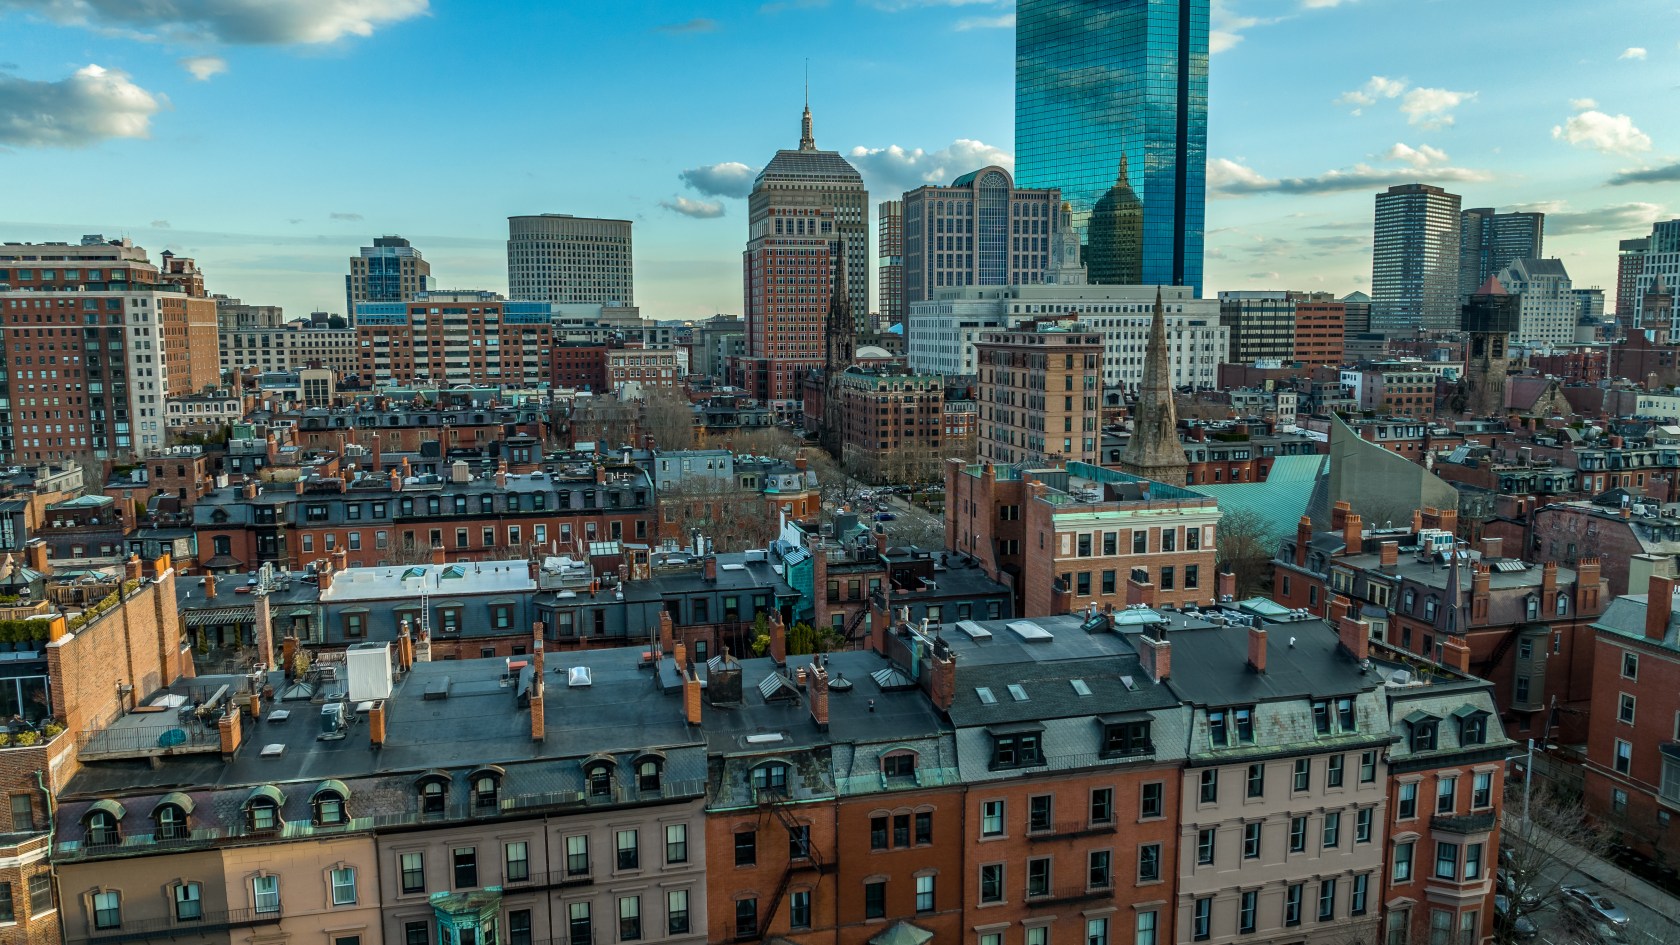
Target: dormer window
[(1562, 604), (327, 803), (1531, 607), (1409, 599), (899, 764), (771, 776), (1429, 609), (434, 793), (599, 775), (649, 772), (102, 823), (486, 786), (1122, 736), (171, 816), (262, 809), (1472, 726), (1017, 748), (1424, 729)]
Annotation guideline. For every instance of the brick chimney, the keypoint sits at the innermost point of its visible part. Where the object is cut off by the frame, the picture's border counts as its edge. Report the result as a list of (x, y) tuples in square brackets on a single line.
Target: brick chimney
[(1155, 655), (1061, 597), (1303, 540), (35, 556), (437, 554), (210, 586), (1225, 584), (1353, 534), (710, 567), (1548, 585), (376, 724), (250, 490), (1481, 581), (666, 632), (396, 480), (691, 697), (880, 541), (1338, 516), (1492, 548), (600, 474), (817, 687), (1336, 607), (131, 568), (324, 574), (376, 454), (778, 639), (942, 680), (341, 559), (1257, 649), (1388, 555), (227, 727), (537, 716), (1355, 636), (301, 482), (1587, 577), (501, 474), (263, 617), (679, 654), (1455, 654), (1139, 591), (1658, 606)]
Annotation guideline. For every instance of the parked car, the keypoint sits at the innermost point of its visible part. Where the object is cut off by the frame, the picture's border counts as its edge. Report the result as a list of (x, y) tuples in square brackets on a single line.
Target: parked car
[(1511, 925), (1593, 905), (1507, 885)]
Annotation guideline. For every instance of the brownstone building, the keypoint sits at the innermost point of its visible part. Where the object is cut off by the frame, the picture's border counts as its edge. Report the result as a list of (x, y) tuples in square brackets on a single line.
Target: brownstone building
[(1039, 394)]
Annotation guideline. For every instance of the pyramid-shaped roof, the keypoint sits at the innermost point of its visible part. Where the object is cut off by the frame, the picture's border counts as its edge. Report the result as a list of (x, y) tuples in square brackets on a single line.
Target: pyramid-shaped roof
[(1492, 287)]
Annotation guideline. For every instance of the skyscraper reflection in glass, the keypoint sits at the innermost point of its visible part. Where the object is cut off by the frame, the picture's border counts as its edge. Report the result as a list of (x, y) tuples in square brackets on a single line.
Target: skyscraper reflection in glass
[(1111, 102)]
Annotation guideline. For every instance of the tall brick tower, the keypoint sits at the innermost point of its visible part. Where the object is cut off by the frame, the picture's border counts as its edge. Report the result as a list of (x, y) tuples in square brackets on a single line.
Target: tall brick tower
[(1154, 452), (1489, 318)]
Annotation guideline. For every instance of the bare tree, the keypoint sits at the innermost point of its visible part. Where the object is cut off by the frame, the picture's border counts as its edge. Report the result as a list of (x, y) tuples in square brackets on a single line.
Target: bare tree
[(668, 417), (605, 421), (1547, 836), (1246, 545), (735, 519)]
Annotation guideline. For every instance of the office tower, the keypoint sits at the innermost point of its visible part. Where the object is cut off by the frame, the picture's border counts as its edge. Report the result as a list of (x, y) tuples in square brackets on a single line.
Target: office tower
[(1489, 241), (391, 270), (1661, 259), (1630, 262), (1489, 317), (1262, 326), (144, 341), (889, 262), (1111, 100), (1153, 451), (981, 230), (1547, 303), (1320, 329), (1358, 308), (804, 205), (1414, 260), (557, 257)]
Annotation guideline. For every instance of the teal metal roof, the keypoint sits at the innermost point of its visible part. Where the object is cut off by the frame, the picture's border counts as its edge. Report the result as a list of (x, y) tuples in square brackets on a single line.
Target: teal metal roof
[(1281, 500)]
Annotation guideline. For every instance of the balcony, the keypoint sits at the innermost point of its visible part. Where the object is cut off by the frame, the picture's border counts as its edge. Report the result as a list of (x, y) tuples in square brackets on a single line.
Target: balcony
[(209, 922), (1064, 895), (1068, 830)]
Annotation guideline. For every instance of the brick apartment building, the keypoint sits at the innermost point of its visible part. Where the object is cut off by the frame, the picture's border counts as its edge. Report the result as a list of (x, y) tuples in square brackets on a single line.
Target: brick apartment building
[(892, 422), (1040, 394), (455, 337)]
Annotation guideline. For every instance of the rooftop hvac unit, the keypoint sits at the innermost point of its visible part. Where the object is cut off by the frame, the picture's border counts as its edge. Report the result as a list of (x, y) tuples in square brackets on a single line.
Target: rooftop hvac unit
[(369, 667)]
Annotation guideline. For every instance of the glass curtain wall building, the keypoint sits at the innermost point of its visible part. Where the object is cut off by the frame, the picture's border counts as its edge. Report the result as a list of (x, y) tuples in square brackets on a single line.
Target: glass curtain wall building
[(1111, 102), (981, 230)]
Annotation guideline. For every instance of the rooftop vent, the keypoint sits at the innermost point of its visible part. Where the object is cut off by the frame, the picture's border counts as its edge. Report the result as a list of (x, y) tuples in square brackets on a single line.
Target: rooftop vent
[(273, 751), (1030, 632)]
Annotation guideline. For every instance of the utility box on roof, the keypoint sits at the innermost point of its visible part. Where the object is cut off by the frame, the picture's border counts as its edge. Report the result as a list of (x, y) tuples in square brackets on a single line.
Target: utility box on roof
[(369, 667)]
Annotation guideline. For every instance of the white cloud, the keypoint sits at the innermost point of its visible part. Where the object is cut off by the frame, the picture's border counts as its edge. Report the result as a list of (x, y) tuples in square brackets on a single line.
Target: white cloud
[(1633, 52), (160, 225), (894, 169), (1432, 108), (728, 179), (1421, 156), (1226, 26), (1594, 129), (1000, 22), (93, 104), (1323, 4), (1622, 217), (1582, 104), (345, 217), (1379, 87), (1232, 178), (259, 22), (203, 67), (698, 209)]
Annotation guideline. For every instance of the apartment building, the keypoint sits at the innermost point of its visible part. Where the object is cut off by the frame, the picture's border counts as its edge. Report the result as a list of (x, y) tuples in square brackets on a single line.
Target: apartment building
[(892, 422), (455, 337), (1040, 394)]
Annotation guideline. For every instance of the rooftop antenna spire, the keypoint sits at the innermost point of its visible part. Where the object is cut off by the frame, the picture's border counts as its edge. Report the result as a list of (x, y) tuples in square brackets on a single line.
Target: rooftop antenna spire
[(806, 141)]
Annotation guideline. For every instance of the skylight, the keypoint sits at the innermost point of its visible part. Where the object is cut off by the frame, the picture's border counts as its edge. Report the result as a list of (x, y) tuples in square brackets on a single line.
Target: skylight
[(1079, 687), (985, 694)]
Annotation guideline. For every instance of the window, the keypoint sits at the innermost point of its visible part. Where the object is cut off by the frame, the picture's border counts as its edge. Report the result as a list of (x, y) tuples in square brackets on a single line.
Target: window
[(1446, 795), (1297, 834), (1403, 861), (799, 909), (1624, 756), (516, 862), (1472, 728), (1326, 900), (1257, 780), (1362, 825), (799, 842), (432, 797), (901, 830), (1201, 924), (1210, 786), (1038, 877), (1446, 860), (676, 912), (878, 832), (1367, 767), (1039, 812), (1246, 910), (1245, 725), (1146, 928), (1332, 829), (629, 850), (343, 886), (1423, 734), (519, 927), (577, 855), (465, 860), (1015, 751), (629, 918), (746, 847), (1204, 846), (1472, 861), (1140, 542), (1333, 771), (1126, 738), (1397, 931), (416, 933), (1303, 774), (579, 922), (1321, 716), (1481, 790), (23, 814), (1102, 805), (1251, 841), (1630, 665), (991, 882), (1149, 862), (1099, 873), (746, 918), (413, 872), (1292, 903), (107, 910), (1096, 932), (924, 827), (898, 766), (101, 828), (676, 843), (875, 900), (1356, 901), (189, 902), (1624, 709), (1151, 802), (1218, 735), (1407, 808), (924, 894), (265, 892), (1618, 801)]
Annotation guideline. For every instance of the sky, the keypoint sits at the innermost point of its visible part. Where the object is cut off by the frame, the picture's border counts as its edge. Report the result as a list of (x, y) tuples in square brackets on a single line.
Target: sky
[(270, 139)]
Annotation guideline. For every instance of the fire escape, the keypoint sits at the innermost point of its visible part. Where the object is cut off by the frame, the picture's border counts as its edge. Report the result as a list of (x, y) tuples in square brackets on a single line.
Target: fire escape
[(803, 857)]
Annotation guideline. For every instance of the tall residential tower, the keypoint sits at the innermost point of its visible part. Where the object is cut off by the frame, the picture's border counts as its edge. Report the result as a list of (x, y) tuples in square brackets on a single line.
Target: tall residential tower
[(889, 263), (1112, 97), (1489, 241), (1414, 260), (391, 270)]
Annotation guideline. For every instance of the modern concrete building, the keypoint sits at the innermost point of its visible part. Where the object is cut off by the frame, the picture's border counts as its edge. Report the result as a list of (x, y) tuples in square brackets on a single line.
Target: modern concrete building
[(455, 336), (289, 348), (1040, 393), (1630, 264), (391, 270), (1262, 325), (943, 332), (980, 231), (807, 214), (1661, 258), (889, 263), (1548, 308), (1111, 104), (556, 257), (1414, 260), (1489, 242)]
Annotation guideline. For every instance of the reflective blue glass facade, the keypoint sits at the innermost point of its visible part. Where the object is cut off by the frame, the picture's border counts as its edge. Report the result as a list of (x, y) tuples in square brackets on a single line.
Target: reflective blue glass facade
[(1101, 80)]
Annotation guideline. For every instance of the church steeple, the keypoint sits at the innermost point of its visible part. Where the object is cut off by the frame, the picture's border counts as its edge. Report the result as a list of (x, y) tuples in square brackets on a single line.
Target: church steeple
[(1154, 452)]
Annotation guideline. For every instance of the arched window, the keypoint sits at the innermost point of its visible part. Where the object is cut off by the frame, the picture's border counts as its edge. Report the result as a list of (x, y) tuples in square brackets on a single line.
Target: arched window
[(171, 816), (102, 823), (262, 809), (1562, 604), (328, 803), (599, 775), (649, 769), (434, 793), (486, 786)]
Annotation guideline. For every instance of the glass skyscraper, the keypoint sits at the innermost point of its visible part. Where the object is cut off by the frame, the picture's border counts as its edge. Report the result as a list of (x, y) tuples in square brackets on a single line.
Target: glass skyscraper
[(1111, 101)]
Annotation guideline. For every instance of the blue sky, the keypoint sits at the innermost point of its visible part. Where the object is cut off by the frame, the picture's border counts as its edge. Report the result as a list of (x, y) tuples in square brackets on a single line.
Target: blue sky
[(269, 140)]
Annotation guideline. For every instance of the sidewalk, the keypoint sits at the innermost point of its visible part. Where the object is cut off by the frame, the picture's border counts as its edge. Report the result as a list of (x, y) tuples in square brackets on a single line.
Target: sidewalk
[(1612, 877)]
